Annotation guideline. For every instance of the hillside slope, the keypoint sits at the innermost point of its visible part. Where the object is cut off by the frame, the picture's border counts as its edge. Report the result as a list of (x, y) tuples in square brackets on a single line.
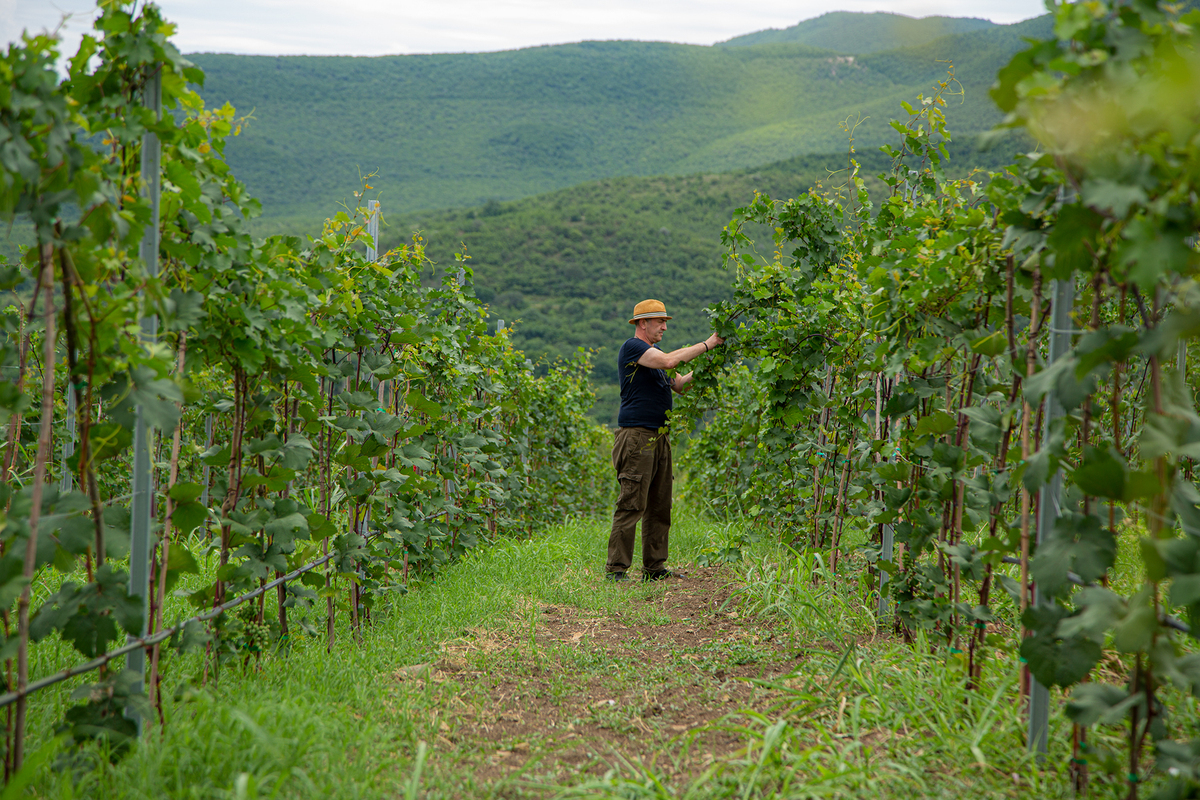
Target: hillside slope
[(857, 33), (457, 130), (568, 266)]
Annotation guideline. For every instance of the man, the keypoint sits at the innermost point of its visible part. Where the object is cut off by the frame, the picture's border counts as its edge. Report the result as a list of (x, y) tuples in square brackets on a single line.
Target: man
[(642, 450)]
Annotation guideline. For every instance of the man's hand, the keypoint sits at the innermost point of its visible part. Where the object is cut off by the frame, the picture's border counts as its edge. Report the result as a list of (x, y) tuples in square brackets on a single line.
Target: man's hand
[(713, 341)]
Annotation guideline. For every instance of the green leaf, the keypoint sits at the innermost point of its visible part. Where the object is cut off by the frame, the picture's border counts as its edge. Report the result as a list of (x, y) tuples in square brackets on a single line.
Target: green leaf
[(319, 527), (1185, 590), (188, 516), (1055, 661), (1153, 559), (108, 440), (418, 402), (938, 423), (181, 559), (991, 345), (1090, 703), (1133, 634), (1102, 473), (296, 452), (287, 526), (185, 492), (1141, 483)]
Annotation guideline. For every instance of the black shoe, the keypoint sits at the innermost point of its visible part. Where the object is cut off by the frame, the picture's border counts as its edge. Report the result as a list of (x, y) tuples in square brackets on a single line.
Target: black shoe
[(617, 577), (658, 575)]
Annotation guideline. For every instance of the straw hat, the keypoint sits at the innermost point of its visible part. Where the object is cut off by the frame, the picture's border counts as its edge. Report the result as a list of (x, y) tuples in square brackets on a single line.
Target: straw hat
[(649, 309)]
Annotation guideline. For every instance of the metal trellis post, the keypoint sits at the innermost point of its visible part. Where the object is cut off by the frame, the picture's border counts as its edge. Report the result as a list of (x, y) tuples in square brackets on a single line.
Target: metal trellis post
[(208, 442), (888, 535), (68, 446), (143, 478), (373, 229), (1063, 292)]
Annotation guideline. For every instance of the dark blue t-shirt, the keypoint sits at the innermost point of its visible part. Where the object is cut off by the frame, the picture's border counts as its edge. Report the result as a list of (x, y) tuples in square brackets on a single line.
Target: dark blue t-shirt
[(645, 393)]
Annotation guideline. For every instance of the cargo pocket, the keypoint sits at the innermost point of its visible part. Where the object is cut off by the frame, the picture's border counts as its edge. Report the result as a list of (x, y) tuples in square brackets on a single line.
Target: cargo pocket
[(631, 492)]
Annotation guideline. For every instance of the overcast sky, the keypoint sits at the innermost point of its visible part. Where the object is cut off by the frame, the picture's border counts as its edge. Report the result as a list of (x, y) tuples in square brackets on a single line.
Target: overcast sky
[(381, 27)]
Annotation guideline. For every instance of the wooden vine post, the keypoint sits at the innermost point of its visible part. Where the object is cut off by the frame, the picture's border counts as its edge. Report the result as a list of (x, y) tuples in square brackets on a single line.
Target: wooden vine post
[(1063, 297), (142, 507), (45, 426)]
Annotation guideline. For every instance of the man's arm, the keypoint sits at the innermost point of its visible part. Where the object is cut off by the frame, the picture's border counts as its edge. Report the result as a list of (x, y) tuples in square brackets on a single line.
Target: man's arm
[(657, 359), (679, 383)]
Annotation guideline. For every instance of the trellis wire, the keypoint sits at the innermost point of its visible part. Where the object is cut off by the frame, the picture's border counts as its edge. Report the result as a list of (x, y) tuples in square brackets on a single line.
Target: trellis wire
[(1073, 577), (141, 642), (137, 645)]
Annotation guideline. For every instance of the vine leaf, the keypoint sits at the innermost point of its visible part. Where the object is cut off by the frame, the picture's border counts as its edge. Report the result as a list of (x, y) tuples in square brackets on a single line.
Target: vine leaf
[(1055, 660), (1090, 703)]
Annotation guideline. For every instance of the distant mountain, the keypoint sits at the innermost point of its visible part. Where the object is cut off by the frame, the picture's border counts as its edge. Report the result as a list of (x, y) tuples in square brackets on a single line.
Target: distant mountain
[(855, 33), (448, 131)]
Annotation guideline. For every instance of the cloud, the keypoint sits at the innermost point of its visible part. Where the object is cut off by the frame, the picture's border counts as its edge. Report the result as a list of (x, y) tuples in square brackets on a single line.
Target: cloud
[(385, 27)]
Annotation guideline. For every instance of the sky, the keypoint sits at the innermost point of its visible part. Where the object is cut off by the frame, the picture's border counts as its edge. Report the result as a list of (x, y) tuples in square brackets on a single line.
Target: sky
[(391, 27)]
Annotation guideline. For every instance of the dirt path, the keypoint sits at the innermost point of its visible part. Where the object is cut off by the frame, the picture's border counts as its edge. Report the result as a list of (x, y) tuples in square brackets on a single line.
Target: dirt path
[(570, 693)]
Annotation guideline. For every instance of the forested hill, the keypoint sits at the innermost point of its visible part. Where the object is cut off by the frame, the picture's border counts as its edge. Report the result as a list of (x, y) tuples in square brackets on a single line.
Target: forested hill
[(568, 266), (457, 130), (857, 33)]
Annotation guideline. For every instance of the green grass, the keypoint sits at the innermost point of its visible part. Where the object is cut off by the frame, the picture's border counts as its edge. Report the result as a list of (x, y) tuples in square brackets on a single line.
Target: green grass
[(860, 713), (305, 723)]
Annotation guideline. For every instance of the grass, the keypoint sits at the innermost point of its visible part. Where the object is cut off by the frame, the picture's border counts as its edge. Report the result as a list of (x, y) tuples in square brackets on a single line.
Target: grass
[(521, 672), (311, 724)]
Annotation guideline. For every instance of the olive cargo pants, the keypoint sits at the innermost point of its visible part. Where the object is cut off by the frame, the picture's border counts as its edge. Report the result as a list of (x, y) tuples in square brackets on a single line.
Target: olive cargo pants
[(642, 459)]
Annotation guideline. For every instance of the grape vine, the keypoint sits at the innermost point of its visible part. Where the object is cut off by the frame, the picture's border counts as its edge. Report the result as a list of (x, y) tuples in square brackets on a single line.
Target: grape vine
[(308, 403), (990, 372)]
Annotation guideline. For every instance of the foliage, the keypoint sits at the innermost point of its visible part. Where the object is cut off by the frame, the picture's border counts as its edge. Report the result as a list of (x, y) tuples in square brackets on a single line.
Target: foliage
[(302, 398), (567, 267), (894, 370)]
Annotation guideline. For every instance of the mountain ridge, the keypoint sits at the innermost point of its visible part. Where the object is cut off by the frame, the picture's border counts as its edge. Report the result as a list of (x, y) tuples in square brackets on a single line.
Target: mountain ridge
[(863, 32), (447, 131)]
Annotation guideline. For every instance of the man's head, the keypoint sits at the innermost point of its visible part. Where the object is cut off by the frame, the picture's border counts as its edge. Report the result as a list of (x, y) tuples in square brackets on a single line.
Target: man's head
[(650, 321), (651, 329)]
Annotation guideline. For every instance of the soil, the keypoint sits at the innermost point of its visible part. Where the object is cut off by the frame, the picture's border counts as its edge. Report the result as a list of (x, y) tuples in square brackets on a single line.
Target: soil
[(570, 694)]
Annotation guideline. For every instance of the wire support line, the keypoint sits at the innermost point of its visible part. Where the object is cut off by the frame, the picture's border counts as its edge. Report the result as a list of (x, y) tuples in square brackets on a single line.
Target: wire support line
[(153, 639), (1163, 619)]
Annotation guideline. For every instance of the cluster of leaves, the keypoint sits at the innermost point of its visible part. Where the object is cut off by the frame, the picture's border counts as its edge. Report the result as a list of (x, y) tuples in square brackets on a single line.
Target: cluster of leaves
[(302, 398), (892, 369)]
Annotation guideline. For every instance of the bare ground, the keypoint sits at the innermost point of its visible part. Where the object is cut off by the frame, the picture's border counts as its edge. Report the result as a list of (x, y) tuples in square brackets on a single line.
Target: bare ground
[(567, 693)]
